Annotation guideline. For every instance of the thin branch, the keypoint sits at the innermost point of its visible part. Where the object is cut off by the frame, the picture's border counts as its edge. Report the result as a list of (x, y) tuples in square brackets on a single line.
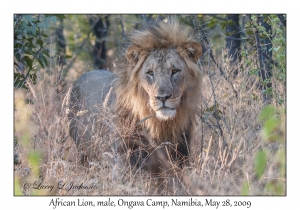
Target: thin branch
[(122, 28), (17, 19), (205, 42), (282, 20), (215, 113)]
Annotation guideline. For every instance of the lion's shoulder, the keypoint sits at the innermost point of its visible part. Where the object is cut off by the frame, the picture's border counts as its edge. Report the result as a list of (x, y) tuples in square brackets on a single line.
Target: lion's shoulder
[(92, 88)]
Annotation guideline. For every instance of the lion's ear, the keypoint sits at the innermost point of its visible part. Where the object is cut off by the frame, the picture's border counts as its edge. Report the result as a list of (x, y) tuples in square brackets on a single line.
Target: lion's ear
[(194, 51), (132, 54)]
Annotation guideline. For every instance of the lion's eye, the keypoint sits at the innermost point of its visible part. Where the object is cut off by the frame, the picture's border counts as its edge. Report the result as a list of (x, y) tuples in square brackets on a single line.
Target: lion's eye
[(150, 72), (174, 71)]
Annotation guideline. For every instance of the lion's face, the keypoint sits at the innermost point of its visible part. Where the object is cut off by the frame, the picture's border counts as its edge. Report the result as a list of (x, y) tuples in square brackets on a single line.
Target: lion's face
[(162, 77), (162, 73)]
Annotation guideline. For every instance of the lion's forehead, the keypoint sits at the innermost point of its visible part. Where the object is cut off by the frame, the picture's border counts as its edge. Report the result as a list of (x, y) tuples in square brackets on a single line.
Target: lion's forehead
[(164, 54), (165, 58)]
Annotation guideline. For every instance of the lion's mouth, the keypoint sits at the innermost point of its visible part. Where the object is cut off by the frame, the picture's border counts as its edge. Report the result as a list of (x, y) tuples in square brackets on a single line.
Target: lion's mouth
[(165, 113), (165, 107)]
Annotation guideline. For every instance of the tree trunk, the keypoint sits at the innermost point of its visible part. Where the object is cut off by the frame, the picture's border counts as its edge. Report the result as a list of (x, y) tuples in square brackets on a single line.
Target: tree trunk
[(233, 39), (282, 20), (100, 29), (264, 53), (61, 43), (61, 73)]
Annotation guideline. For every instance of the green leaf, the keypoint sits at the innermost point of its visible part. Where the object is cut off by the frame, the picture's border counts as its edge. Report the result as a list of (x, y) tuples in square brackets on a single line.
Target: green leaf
[(249, 32), (211, 24), (275, 188), (30, 40), (254, 71), (34, 159), (40, 42), (28, 61), (280, 101), (33, 78), (276, 48), (46, 23), (53, 19), (28, 101), (18, 81), (33, 29), (41, 63), (24, 33), (45, 51), (18, 190), (15, 64), (270, 126), (245, 189), (28, 17), (29, 29), (260, 163), (27, 49), (68, 56), (44, 35), (244, 53), (60, 16), (253, 17), (18, 56), (267, 112), (42, 58), (17, 34), (18, 76)]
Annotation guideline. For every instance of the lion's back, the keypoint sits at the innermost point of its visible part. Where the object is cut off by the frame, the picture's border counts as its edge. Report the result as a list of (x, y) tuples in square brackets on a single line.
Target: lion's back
[(91, 94), (92, 88)]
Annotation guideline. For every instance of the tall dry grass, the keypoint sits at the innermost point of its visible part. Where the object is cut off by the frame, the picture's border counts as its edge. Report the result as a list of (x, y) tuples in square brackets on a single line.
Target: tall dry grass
[(222, 162)]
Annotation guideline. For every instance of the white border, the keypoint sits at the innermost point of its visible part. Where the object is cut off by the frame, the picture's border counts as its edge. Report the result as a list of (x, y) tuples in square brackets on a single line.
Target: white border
[(8, 8)]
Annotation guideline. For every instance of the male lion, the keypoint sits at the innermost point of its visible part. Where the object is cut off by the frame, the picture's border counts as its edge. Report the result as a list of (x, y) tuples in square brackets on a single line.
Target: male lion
[(154, 96)]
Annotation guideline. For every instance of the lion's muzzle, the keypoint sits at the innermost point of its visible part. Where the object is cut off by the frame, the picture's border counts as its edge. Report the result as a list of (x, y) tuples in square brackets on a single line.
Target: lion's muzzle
[(163, 98), (165, 107)]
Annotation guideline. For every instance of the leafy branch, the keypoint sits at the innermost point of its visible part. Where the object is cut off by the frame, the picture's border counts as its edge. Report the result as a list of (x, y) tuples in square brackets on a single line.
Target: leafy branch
[(30, 49)]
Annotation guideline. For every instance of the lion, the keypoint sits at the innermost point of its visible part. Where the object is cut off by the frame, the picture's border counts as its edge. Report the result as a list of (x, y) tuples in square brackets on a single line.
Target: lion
[(154, 94)]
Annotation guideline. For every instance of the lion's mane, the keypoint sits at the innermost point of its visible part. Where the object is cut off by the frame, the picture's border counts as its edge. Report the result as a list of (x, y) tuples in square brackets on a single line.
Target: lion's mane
[(131, 98)]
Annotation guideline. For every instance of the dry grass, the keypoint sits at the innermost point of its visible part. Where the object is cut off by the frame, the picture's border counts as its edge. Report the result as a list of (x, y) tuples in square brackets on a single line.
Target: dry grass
[(222, 155)]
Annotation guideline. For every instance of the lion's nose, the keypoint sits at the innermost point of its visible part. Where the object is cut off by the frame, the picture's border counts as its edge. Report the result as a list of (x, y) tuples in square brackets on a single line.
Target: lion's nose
[(163, 98)]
